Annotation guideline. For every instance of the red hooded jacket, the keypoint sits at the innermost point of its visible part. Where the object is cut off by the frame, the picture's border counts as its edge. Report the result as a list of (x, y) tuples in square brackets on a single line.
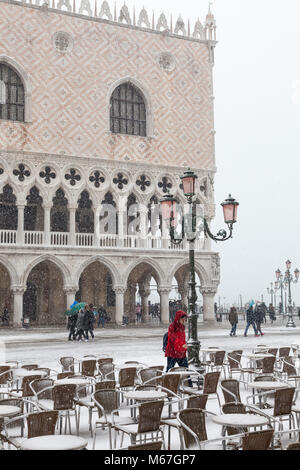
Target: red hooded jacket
[(176, 338)]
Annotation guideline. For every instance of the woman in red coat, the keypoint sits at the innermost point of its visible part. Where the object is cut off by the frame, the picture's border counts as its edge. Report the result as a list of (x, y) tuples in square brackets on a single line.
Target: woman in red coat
[(177, 348)]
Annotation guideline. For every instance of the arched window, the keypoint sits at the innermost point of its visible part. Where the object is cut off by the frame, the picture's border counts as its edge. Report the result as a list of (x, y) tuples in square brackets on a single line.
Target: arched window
[(127, 111), (12, 96)]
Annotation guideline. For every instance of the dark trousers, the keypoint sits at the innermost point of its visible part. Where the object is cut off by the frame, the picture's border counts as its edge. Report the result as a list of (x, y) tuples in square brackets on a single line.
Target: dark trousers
[(182, 362), (87, 333), (72, 333), (233, 329), (258, 327), (80, 333)]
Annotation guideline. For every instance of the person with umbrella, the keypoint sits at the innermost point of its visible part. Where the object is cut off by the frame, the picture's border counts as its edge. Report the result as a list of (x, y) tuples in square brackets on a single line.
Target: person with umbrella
[(72, 320)]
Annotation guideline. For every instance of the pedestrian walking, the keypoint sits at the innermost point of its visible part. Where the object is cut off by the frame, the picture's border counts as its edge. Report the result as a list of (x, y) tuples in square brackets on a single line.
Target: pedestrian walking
[(138, 313), (86, 322), (80, 325), (5, 316), (264, 309), (102, 316), (90, 322), (299, 313), (72, 320), (176, 348), (271, 312), (250, 319), (233, 320), (259, 318)]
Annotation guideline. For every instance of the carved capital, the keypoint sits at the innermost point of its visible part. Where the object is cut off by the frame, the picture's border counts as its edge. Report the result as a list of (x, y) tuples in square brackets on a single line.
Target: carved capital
[(208, 290), (164, 290), (120, 290), (69, 290), (18, 289)]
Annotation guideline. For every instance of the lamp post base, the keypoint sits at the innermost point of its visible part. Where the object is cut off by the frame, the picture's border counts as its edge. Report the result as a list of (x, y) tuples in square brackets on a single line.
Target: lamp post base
[(290, 323)]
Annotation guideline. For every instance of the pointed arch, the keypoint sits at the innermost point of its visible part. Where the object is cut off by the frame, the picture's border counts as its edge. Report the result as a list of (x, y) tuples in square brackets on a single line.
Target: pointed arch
[(53, 259), (146, 98), (14, 277), (201, 271), (24, 77), (159, 275), (116, 278)]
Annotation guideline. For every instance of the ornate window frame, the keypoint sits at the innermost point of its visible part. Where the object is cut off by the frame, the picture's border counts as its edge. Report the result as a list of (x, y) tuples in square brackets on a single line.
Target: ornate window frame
[(147, 101), (26, 83)]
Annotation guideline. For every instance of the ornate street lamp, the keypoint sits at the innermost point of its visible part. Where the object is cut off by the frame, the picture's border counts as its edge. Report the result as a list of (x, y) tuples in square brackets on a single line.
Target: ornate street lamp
[(287, 280), (271, 292), (280, 284), (168, 207)]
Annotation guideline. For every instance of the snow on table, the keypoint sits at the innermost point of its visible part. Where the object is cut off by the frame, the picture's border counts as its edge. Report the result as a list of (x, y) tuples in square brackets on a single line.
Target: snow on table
[(56, 442), (9, 411), (240, 420)]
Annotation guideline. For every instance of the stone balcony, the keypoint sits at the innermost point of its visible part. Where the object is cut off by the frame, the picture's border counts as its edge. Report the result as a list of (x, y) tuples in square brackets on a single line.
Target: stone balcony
[(88, 240)]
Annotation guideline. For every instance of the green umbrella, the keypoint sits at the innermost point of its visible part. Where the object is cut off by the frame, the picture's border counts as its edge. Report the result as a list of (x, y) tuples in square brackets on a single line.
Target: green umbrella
[(75, 309)]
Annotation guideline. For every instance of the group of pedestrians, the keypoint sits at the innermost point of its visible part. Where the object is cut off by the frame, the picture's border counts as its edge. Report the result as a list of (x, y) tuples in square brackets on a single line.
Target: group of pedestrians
[(255, 317), (81, 324)]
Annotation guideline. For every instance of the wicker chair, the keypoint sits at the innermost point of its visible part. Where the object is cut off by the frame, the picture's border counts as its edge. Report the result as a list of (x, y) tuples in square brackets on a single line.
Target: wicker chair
[(30, 366), (64, 375), (127, 378), (198, 402), (268, 364), (282, 409), (25, 391), (150, 446), (67, 364), (210, 386), (193, 427), (6, 380), (40, 423), (149, 422), (42, 388), (293, 446), (234, 408), (105, 360), (258, 440), (273, 351), (63, 401), (234, 362), (148, 374), (284, 352), (88, 368), (231, 390), (107, 401), (107, 370), (105, 385), (289, 370)]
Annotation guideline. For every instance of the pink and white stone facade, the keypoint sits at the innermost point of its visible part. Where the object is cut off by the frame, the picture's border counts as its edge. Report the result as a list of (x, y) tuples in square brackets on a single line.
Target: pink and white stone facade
[(70, 62)]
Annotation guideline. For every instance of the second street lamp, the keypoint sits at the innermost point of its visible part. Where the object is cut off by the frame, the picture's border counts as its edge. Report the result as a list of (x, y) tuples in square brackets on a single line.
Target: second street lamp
[(169, 213), (289, 279)]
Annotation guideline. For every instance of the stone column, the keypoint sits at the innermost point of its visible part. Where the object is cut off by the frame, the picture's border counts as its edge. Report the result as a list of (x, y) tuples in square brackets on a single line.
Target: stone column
[(144, 293), (183, 290), (20, 230), (18, 292), (72, 239), (208, 294), (97, 226), (164, 293), (143, 226), (165, 235), (70, 292), (120, 291), (47, 224)]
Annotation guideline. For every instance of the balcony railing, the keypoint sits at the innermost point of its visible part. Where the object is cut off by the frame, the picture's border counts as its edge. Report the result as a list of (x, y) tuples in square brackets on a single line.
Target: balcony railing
[(88, 240)]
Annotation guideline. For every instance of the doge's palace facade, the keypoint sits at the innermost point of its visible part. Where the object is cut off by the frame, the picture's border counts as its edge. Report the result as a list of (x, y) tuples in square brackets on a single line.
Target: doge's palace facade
[(100, 106)]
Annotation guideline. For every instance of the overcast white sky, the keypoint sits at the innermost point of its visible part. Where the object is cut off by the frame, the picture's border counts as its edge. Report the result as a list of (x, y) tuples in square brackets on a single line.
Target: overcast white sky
[(257, 115)]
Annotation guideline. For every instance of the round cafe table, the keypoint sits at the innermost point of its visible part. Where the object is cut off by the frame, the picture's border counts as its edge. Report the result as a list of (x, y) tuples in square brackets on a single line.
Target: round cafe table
[(54, 442), (143, 396), (7, 411), (72, 381), (265, 385), (240, 420), (27, 373)]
